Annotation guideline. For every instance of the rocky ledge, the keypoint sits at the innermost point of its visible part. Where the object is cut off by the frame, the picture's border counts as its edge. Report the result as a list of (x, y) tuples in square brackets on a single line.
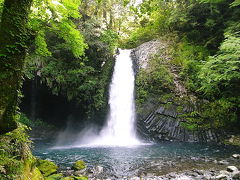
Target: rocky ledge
[(164, 123)]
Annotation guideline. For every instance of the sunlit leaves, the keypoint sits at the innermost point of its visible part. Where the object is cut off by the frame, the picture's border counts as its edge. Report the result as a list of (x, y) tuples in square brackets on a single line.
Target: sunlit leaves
[(235, 3), (54, 15), (221, 72), (41, 45), (67, 30), (110, 37)]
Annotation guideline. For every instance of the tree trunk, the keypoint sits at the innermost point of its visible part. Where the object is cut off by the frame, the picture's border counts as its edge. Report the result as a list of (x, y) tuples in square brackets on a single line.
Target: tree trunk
[(14, 38)]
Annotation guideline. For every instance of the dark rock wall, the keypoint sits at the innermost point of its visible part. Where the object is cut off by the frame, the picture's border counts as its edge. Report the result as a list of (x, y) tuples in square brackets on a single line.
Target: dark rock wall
[(164, 123)]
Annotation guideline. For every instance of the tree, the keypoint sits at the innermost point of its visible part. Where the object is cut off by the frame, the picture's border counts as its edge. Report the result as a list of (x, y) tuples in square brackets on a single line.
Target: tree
[(14, 40)]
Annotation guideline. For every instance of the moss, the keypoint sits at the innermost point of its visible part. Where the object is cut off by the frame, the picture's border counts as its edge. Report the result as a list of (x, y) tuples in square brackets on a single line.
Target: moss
[(17, 161), (67, 178), (79, 165), (46, 167), (55, 177), (35, 174), (80, 177), (14, 40)]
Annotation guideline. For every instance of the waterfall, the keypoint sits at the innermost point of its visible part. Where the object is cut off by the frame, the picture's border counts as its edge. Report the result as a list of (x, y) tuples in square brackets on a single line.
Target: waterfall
[(120, 127)]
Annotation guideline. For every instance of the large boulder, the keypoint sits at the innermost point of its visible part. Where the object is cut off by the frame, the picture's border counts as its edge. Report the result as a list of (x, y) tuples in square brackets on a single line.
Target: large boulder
[(232, 169), (55, 177), (236, 156), (79, 165), (47, 167)]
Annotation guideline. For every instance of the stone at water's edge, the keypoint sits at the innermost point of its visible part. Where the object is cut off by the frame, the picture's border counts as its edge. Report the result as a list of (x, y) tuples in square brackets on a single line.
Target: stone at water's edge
[(79, 165), (236, 156), (46, 167), (232, 169), (54, 177)]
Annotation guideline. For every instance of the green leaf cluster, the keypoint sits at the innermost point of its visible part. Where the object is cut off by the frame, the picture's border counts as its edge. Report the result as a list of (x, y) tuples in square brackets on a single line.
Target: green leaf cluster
[(220, 75)]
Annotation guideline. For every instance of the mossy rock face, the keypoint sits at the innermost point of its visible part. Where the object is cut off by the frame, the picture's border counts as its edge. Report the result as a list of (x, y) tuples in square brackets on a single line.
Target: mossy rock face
[(55, 177), (234, 140), (16, 159), (79, 165), (46, 167), (67, 178), (80, 177), (35, 174)]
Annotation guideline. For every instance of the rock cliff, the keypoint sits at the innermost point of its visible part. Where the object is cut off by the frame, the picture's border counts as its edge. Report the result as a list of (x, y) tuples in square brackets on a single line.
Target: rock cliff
[(161, 118)]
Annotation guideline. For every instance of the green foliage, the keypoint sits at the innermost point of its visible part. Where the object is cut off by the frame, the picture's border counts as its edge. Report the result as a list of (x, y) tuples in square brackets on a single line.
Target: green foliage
[(217, 114), (41, 45), (32, 124), (235, 3), (72, 36), (110, 37), (57, 17), (139, 36), (14, 153), (84, 79), (154, 80), (220, 75), (1, 7), (189, 57), (206, 55)]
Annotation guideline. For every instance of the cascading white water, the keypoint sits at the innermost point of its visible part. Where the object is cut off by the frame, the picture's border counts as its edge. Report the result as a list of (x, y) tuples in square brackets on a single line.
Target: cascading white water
[(120, 127)]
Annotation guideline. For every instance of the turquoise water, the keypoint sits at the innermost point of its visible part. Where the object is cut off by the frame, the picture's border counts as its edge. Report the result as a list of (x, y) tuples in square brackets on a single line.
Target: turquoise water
[(126, 161)]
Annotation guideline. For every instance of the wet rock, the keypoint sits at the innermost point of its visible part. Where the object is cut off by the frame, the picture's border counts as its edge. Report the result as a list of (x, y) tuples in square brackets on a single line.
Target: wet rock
[(46, 167), (79, 165), (236, 176), (54, 177), (215, 161), (98, 170), (199, 172), (225, 172), (236, 156), (68, 172), (223, 162), (232, 169), (80, 172), (80, 177), (171, 175), (135, 178), (67, 178), (222, 177)]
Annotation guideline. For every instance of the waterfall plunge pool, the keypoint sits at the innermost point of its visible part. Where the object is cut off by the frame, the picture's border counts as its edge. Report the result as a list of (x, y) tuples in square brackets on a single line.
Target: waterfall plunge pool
[(132, 161)]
